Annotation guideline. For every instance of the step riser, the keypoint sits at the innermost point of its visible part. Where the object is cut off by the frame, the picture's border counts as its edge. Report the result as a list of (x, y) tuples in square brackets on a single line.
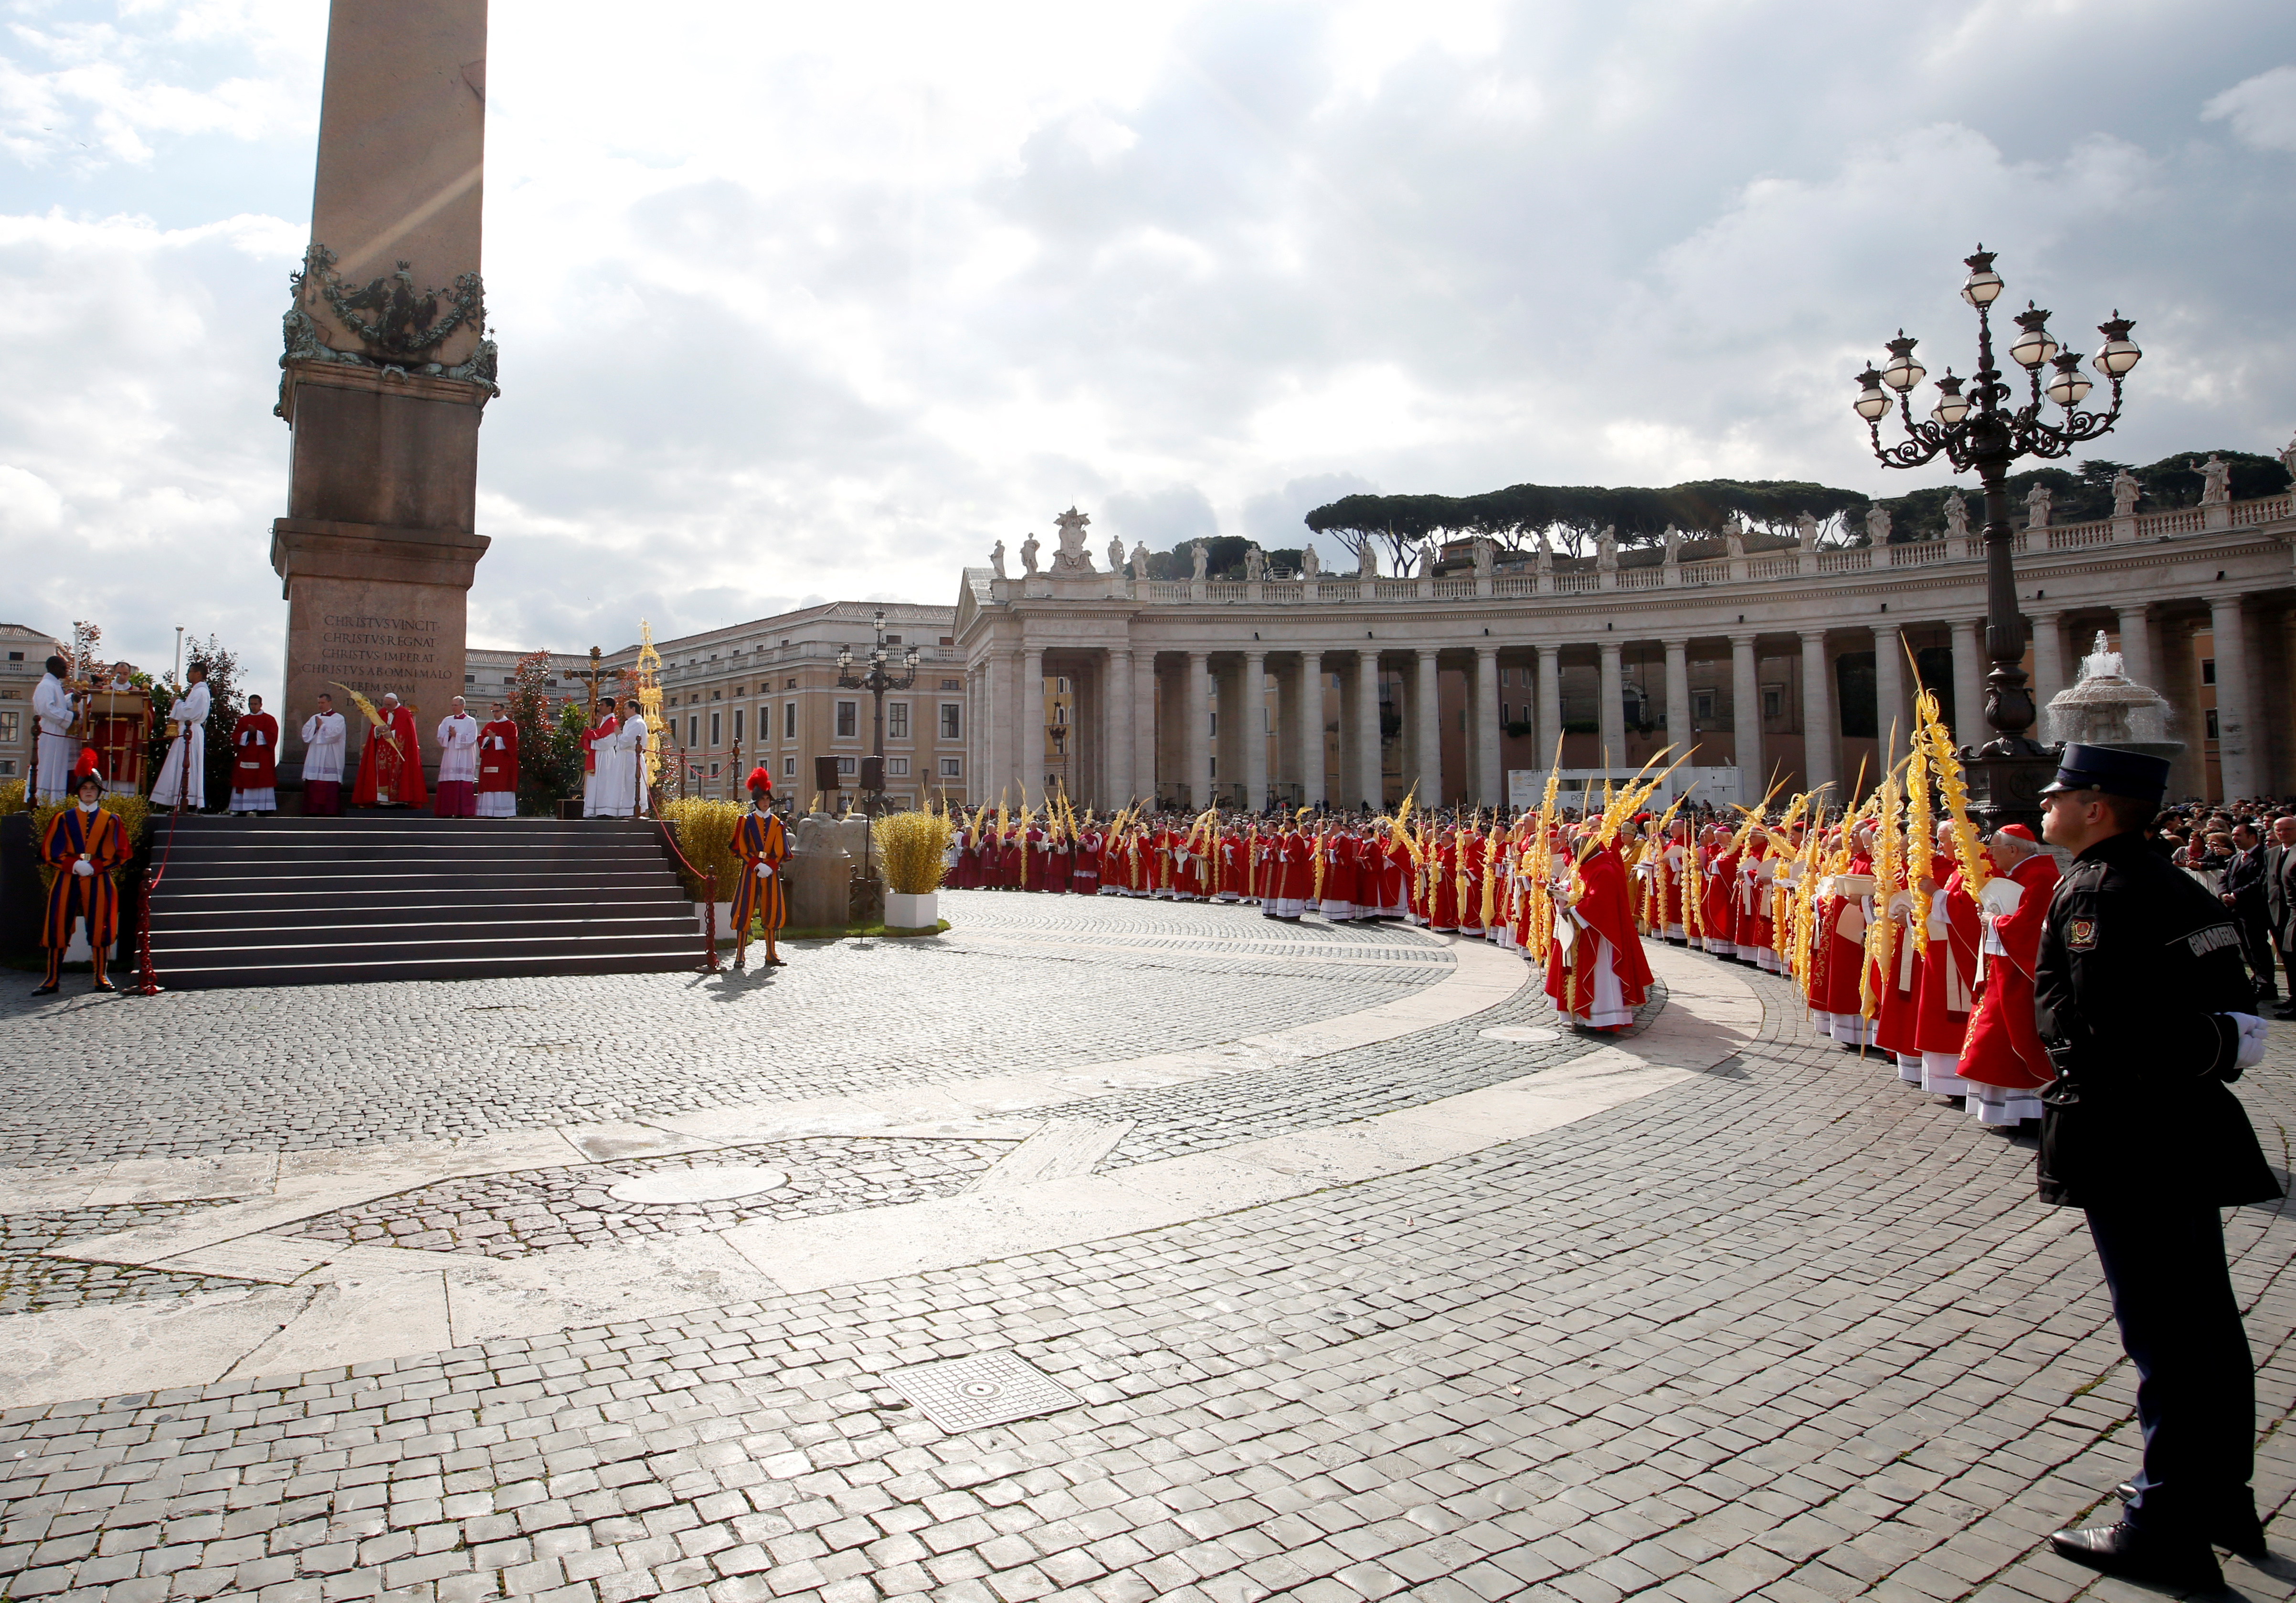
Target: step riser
[(412, 935), (307, 917), (353, 974)]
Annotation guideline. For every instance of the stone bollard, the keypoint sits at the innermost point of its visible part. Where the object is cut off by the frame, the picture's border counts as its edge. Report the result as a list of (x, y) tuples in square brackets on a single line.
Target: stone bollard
[(820, 875)]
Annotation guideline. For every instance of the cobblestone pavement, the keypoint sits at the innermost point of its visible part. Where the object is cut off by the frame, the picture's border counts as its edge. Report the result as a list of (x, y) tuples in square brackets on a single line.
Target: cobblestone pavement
[(29, 1283), (1788, 1329), (531, 1210), (327, 1066)]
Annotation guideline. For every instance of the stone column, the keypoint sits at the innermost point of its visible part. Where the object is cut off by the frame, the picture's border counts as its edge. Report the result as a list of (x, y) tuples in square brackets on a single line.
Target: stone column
[(1144, 725), (1490, 778), (1610, 704), (1969, 669), (1817, 729), (1681, 733), (1028, 769), (1370, 781), (2235, 734), (1890, 708), (1746, 718), (2048, 669), (1549, 704), (1116, 695), (996, 719), (377, 551), (2180, 667), (1199, 731), (1311, 728), (1427, 726), (2135, 630), (1254, 718)]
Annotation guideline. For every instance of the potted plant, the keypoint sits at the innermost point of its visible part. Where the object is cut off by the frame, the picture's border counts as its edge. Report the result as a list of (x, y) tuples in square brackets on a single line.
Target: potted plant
[(913, 846)]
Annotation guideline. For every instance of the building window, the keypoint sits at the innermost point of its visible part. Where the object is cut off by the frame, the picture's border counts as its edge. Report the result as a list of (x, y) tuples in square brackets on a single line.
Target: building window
[(951, 683), (948, 639), (951, 720), (789, 768), (2209, 672), (892, 639), (1064, 687), (847, 765), (716, 695), (7, 766), (716, 730), (1703, 704), (2212, 723), (789, 720), (693, 729), (849, 720), (1060, 713), (952, 767), (737, 726), (12, 726), (898, 766), (1774, 701), (1215, 716), (896, 720)]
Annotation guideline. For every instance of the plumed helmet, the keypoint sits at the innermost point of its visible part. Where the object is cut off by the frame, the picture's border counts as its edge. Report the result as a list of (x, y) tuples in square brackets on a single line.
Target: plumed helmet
[(760, 780)]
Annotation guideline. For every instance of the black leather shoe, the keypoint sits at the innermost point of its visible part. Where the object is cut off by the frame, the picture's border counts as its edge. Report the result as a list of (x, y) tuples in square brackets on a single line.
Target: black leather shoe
[(2123, 1550), (48, 989), (2240, 1532), (104, 985)]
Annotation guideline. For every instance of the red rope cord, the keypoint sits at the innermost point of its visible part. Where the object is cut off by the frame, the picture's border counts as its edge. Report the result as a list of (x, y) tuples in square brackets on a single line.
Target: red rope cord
[(148, 981), (709, 899)]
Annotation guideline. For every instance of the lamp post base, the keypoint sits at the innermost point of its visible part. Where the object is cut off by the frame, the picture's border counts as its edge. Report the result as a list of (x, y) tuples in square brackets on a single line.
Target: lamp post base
[(2005, 776)]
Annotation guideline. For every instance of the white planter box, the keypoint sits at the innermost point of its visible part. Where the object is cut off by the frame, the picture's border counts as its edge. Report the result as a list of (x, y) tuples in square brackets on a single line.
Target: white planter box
[(726, 931), (906, 912)]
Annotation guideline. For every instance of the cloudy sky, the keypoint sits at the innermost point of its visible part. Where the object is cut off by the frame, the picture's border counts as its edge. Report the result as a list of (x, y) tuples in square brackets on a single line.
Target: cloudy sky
[(799, 302)]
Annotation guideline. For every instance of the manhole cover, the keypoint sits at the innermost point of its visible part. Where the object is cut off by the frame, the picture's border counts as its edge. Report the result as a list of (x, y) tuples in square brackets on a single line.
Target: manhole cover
[(992, 1388), (714, 1183), (1528, 1034)]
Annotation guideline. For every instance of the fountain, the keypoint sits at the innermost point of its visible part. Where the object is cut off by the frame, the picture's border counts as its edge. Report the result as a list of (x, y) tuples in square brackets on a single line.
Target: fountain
[(2106, 708)]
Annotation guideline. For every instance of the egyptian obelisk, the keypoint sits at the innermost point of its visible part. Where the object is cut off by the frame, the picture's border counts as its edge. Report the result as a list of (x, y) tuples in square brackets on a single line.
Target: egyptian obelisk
[(388, 369)]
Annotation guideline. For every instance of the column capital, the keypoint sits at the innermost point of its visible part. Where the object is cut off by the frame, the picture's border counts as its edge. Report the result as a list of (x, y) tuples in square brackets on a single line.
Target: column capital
[(1675, 642), (1609, 646), (1745, 637), (1488, 653), (1808, 635), (1427, 654), (1549, 653)]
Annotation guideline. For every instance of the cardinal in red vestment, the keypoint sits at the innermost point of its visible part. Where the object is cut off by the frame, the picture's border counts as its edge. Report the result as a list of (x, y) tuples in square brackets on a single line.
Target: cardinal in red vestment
[(2002, 1057), (254, 760), (1600, 977), (1949, 981), (498, 766), (390, 767)]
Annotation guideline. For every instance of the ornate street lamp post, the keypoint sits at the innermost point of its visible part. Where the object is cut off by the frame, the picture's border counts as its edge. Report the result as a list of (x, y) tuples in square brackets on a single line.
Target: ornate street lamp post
[(876, 682), (1976, 429)]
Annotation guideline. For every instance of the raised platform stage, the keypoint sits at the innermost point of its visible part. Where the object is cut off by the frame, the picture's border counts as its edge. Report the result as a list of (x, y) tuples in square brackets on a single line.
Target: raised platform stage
[(407, 896)]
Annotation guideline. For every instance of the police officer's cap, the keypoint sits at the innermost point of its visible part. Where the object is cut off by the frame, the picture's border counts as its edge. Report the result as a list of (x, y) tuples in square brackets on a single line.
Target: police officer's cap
[(2110, 769)]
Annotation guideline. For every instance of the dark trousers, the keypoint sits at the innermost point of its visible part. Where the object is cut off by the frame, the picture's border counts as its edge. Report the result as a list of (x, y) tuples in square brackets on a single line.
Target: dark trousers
[(2195, 1382), (2256, 942)]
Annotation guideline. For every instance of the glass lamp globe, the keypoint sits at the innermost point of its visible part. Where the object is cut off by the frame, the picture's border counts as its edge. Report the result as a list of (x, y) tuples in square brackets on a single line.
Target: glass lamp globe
[(2066, 386), (1873, 402), (1984, 285), (2033, 345), (1952, 405), (1903, 372), (2120, 352)]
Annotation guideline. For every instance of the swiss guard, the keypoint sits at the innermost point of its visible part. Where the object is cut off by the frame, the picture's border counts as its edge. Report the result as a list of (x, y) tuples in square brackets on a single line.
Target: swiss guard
[(762, 844), (83, 845)]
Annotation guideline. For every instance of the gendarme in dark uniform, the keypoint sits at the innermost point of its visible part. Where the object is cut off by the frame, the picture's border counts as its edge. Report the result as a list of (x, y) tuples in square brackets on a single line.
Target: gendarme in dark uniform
[(2144, 1003)]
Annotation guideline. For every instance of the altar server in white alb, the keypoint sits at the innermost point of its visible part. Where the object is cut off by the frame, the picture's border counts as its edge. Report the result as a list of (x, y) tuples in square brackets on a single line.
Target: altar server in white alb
[(323, 738), (458, 765), (634, 737), (52, 709), (183, 777)]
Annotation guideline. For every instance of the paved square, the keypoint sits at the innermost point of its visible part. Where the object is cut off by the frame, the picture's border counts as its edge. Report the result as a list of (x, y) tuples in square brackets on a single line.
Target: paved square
[(1368, 1279)]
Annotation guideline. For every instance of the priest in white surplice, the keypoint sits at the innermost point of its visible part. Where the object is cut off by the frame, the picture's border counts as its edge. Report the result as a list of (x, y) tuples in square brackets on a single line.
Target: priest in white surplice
[(52, 709), (458, 765), (323, 738), (184, 777), (633, 756), (616, 789)]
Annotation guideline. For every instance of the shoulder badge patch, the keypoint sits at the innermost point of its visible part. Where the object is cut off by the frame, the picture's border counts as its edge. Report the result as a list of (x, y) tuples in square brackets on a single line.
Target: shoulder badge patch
[(2080, 935), (2216, 937)]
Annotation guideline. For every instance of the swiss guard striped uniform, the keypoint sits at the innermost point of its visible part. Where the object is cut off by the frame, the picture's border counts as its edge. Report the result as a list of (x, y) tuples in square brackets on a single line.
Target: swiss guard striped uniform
[(74, 896), (762, 844)]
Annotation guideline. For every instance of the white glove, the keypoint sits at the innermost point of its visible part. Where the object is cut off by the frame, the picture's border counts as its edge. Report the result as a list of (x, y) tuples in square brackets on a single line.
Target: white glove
[(764, 871), (84, 869), (2252, 1038), (1901, 904)]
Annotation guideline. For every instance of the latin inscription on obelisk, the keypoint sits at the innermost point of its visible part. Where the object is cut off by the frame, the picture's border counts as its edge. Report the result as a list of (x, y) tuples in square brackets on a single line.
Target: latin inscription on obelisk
[(388, 369)]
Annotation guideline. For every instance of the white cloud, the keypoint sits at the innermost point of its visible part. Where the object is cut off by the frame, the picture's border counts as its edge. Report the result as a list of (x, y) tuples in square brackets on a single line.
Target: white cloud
[(2261, 110)]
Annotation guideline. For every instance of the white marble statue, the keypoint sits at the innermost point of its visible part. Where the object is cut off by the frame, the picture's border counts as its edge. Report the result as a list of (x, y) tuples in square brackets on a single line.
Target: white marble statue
[(1140, 559), (1484, 559), (2288, 459), (1806, 530), (2125, 491), (997, 558), (1255, 563), (1311, 565), (1877, 525), (2216, 481), (1203, 558), (1673, 545), (1546, 554), (1367, 560), (1606, 548), (1733, 534), (1427, 558), (1072, 556), (1028, 555), (1116, 554), (2038, 502), (1956, 516)]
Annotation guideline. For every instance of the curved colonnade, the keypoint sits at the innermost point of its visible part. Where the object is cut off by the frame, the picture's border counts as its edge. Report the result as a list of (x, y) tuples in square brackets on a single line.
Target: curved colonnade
[(1147, 662)]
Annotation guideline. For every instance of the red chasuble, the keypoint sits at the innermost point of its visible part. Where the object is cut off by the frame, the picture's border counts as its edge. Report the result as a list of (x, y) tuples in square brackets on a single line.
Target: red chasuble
[(2004, 1047), (399, 774), (1948, 971), (498, 755), (255, 752), (1604, 908)]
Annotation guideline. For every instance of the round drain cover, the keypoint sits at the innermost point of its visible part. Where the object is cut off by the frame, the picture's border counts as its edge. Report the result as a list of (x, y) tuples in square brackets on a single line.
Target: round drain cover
[(699, 1184), (1528, 1034), (982, 1388)]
